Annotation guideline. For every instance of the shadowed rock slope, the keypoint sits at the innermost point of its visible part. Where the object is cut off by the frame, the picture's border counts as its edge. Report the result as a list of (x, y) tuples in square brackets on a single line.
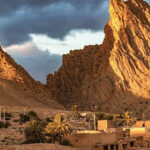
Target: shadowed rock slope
[(17, 87), (114, 76)]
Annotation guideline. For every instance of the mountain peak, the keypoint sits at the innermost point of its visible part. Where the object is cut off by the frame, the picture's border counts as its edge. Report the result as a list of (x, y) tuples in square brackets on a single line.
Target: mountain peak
[(116, 74)]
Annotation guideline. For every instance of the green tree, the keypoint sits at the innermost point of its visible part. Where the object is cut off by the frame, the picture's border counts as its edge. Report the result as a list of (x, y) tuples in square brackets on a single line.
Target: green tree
[(33, 115), (58, 130), (128, 119), (34, 132), (6, 125), (23, 118)]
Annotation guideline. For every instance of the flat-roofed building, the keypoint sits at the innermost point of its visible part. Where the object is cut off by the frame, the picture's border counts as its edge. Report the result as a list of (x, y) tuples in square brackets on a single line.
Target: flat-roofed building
[(104, 124)]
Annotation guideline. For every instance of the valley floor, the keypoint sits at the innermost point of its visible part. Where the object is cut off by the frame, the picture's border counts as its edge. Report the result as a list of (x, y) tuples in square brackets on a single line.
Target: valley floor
[(36, 147)]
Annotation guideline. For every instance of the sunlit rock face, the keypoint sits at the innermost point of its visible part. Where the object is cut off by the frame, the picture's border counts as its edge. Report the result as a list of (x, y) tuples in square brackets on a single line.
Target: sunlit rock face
[(9, 70), (114, 76), (130, 56), (17, 87)]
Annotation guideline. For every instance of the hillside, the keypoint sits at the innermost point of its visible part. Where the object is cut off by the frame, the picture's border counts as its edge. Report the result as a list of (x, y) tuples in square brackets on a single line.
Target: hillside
[(18, 88), (114, 76)]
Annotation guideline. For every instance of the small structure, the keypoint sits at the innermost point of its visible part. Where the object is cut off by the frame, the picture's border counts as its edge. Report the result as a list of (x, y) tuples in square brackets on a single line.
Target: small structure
[(139, 124), (104, 124), (147, 123), (135, 131), (142, 123)]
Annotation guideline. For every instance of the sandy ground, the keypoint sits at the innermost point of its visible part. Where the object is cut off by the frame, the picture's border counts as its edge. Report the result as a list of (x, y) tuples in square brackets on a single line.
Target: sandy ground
[(15, 94), (12, 94), (37, 147)]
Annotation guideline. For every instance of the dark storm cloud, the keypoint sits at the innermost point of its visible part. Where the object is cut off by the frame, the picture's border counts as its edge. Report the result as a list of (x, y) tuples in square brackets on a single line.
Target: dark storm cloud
[(40, 69), (38, 63), (54, 18)]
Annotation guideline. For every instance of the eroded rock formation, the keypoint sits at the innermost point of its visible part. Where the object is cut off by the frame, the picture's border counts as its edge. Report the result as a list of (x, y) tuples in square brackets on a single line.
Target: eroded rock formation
[(114, 76)]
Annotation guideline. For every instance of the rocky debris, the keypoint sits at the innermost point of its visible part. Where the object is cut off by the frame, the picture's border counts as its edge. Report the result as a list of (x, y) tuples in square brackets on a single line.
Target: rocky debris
[(114, 76)]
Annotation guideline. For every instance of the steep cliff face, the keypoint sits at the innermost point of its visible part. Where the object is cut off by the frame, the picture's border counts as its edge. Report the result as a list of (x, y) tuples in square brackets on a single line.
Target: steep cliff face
[(115, 74), (130, 57), (17, 87)]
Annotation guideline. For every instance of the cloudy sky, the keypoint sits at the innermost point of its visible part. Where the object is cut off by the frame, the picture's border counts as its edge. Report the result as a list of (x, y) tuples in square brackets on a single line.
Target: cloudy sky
[(37, 32)]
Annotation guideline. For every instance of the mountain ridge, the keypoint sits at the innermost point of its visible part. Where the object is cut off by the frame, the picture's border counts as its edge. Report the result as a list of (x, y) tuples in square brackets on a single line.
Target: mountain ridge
[(114, 76), (17, 87), (111, 77)]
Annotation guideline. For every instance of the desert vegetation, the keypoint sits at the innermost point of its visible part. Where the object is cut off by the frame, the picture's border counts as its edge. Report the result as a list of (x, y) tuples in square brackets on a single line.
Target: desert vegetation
[(125, 119), (58, 130), (4, 125), (34, 132), (128, 119), (55, 130)]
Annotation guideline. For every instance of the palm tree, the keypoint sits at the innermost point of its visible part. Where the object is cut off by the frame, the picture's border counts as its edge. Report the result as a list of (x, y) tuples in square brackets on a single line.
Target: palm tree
[(58, 130), (128, 120), (34, 133)]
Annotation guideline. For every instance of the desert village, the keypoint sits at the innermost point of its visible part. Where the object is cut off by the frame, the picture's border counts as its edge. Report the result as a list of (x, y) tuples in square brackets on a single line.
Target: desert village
[(113, 76), (89, 132)]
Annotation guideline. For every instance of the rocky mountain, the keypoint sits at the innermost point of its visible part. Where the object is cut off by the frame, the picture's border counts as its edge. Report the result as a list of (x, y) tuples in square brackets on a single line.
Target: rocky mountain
[(114, 76), (17, 87)]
